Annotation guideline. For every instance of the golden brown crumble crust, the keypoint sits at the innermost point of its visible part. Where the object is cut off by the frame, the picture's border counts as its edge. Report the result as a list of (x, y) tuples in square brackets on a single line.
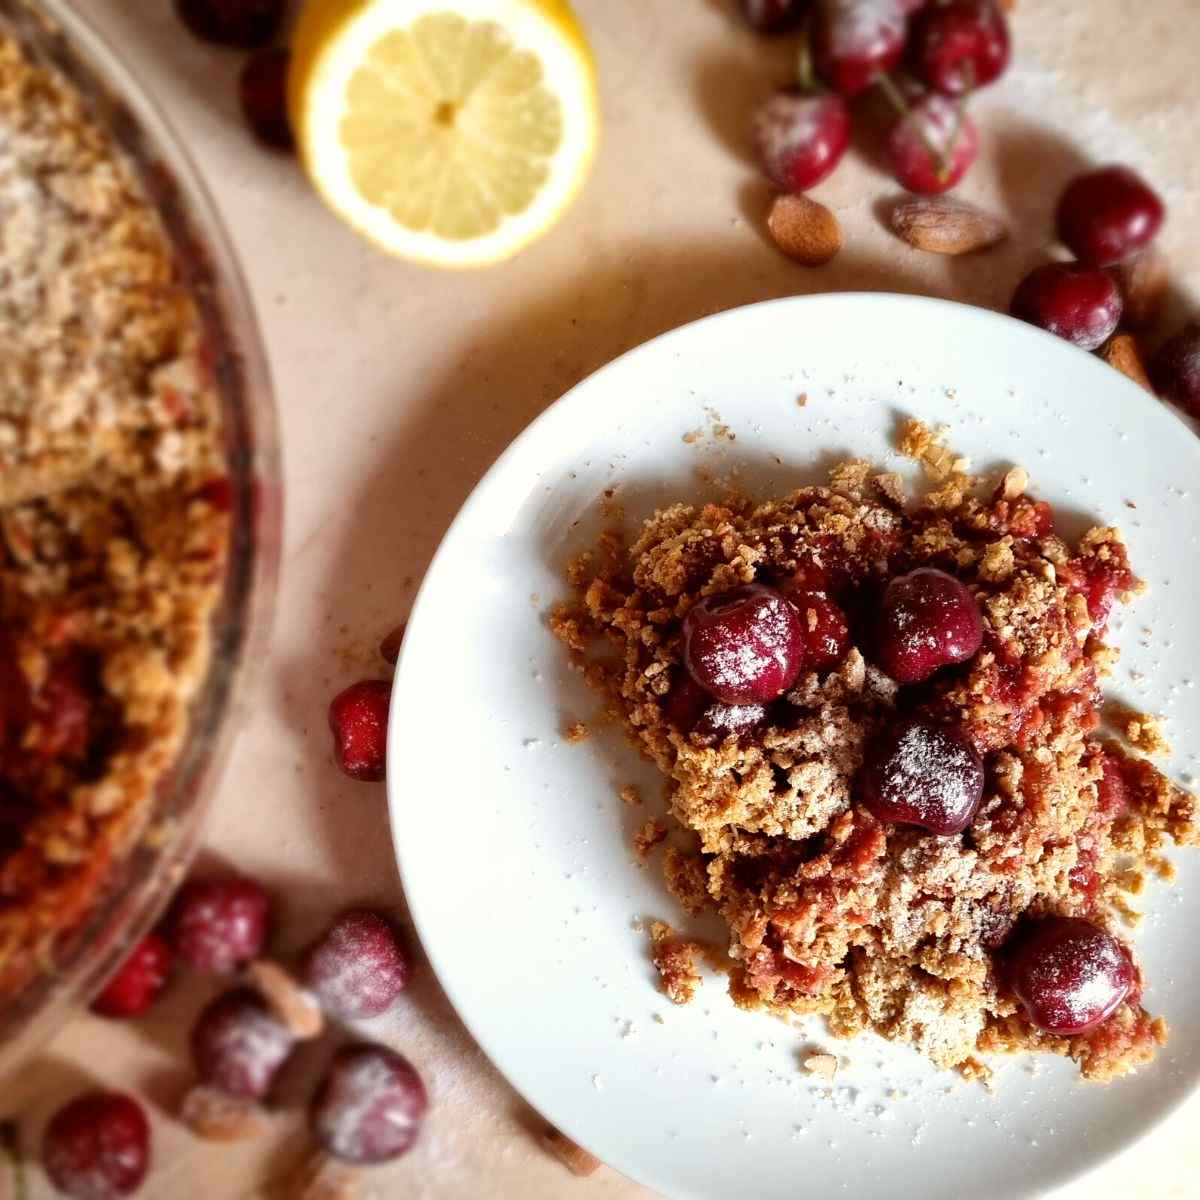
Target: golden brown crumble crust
[(829, 911), (113, 508)]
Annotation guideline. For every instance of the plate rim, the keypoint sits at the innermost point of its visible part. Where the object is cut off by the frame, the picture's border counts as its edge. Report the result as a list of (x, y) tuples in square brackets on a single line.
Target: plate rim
[(1056, 1177)]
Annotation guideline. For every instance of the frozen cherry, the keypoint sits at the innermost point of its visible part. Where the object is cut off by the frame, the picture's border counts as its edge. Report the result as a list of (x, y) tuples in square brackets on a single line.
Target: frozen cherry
[(744, 646), (932, 146), (370, 1106), (358, 718), (1176, 368), (1107, 215), (239, 1045), (97, 1147), (927, 620), (802, 138), (957, 47), (774, 16), (243, 23), (925, 774), (262, 89), (1068, 974), (221, 923), (359, 967), (856, 41), (824, 631), (1080, 304), (139, 982)]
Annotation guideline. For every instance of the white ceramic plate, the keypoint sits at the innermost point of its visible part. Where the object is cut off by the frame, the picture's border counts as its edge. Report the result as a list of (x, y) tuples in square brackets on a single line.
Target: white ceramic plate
[(515, 849)]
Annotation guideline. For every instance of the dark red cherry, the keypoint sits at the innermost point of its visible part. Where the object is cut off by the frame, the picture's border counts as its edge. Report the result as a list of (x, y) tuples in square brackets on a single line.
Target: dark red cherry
[(927, 620), (1107, 215), (925, 774), (1068, 974), (744, 646)]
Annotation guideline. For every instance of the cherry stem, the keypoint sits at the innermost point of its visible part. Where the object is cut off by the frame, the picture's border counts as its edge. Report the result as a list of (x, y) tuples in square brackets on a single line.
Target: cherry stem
[(10, 1148), (895, 97), (806, 73)]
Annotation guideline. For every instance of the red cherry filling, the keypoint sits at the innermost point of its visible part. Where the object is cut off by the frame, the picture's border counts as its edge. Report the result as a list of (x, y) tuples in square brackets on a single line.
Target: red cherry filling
[(927, 620), (925, 774), (824, 631), (744, 646), (1068, 974)]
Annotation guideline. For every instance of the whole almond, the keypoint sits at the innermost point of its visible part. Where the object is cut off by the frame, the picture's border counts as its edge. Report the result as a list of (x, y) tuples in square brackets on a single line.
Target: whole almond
[(1143, 281), (324, 1178), (575, 1158), (1121, 351), (804, 229), (218, 1117), (295, 1008), (945, 225)]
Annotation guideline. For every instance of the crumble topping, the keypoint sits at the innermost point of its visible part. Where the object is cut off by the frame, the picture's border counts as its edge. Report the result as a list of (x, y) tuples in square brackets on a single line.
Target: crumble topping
[(113, 508), (872, 924)]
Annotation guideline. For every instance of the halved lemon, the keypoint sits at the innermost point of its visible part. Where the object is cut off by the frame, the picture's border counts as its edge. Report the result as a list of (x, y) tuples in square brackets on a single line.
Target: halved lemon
[(452, 132)]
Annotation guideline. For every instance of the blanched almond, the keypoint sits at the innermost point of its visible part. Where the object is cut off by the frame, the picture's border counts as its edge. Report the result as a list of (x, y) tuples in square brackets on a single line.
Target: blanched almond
[(945, 225), (218, 1117), (296, 1008), (804, 230), (1121, 351)]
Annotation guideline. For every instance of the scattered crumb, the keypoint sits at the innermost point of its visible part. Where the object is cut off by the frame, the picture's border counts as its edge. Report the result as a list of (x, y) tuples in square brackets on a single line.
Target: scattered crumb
[(674, 957), (647, 838), (576, 732), (802, 399), (693, 435), (1141, 730), (824, 1066), (630, 795)]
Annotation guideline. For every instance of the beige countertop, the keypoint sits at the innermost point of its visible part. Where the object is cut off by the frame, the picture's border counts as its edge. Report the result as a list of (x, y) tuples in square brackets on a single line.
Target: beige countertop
[(397, 387)]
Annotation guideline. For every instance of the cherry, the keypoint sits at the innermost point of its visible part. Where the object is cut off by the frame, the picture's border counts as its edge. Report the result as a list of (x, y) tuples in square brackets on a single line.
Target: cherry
[(62, 728), (1112, 792), (959, 46), (1069, 974), (856, 41), (925, 774), (370, 1106), (927, 620), (719, 721), (358, 718), (932, 146), (239, 1045), (774, 16), (1175, 369), (744, 646), (358, 967), (221, 923), (824, 631), (262, 89), (802, 138), (97, 1147), (1080, 304), (243, 23), (139, 982), (1107, 215)]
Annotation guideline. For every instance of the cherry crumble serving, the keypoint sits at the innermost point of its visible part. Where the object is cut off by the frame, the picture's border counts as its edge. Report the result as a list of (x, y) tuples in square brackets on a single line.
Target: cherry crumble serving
[(881, 729)]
